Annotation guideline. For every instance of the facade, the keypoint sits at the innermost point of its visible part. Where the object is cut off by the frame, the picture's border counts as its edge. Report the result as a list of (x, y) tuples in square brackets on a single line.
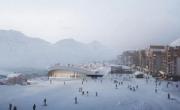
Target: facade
[(155, 60), (130, 58), (172, 61), (58, 71), (64, 74), (143, 60)]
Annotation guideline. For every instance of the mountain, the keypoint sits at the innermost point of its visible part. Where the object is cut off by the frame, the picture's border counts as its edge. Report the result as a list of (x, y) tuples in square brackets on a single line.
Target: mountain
[(19, 50)]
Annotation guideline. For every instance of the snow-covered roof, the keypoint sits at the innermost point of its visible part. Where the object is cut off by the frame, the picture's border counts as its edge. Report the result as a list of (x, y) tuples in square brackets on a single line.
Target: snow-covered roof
[(13, 75), (70, 68), (138, 73), (175, 43), (123, 66)]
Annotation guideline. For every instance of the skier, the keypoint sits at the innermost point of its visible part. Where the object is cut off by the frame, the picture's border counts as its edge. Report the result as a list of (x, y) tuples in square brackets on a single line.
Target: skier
[(116, 86), (156, 90), (34, 107), (130, 88), (121, 83), (15, 108), (82, 92), (10, 106), (96, 94), (177, 85), (136, 86), (75, 99), (159, 83), (169, 96), (168, 84), (87, 93), (45, 102)]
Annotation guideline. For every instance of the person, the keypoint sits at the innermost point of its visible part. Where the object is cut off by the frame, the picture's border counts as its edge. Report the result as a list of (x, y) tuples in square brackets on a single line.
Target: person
[(169, 96), (136, 86), (177, 85), (121, 83), (34, 107), (130, 88), (168, 84), (64, 82), (116, 86), (159, 83), (15, 108), (87, 93), (75, 99), (156, 90), (96, 94), (82, 92), (45, 102), (10, 106)]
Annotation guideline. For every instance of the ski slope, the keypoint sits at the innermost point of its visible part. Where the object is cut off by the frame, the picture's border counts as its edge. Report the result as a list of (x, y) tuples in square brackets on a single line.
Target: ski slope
[(61, 97)]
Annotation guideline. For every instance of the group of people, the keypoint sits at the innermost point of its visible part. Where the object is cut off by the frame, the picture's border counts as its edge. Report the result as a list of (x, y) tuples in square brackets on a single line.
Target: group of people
[(84, 92), (132, 88), (158, 83), (34, 106)]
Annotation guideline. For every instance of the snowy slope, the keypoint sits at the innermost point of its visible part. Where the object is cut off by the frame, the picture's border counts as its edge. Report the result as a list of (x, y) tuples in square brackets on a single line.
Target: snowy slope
[(61, 97)]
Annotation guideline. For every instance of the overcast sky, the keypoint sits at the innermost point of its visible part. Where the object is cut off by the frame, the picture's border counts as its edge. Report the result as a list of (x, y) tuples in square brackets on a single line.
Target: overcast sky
[(117, 23)]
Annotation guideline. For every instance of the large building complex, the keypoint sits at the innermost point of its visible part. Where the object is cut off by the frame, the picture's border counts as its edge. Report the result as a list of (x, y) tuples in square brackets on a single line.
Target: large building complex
[(156, 60)]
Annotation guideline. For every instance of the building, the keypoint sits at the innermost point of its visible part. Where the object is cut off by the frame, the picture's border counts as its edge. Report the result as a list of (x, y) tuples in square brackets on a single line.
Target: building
[(59, 71), (172, 61), (143, 60), (155, 59), (67, 72), (130, 58)]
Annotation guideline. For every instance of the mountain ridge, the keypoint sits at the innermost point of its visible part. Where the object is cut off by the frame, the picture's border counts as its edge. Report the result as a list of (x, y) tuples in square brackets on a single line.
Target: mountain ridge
[(19, 50)]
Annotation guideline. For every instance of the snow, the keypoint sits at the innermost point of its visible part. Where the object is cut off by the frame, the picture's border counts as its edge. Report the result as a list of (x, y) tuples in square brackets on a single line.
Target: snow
[(13, 75), (138, 73), (175, 43), (61, 97)]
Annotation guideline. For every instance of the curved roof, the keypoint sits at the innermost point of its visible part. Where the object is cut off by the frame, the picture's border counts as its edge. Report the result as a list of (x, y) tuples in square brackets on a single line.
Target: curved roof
[(71, 68)]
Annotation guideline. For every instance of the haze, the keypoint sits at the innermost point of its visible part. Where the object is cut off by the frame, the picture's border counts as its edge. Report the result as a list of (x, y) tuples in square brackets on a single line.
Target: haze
[(123, 24)]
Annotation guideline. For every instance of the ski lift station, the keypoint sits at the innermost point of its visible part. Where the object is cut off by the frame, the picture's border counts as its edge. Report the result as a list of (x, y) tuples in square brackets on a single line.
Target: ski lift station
[(70, 72)]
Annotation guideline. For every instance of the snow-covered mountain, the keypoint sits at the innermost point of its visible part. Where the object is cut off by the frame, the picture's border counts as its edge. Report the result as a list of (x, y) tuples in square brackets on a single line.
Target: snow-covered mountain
[(175, 43), (19, 50)]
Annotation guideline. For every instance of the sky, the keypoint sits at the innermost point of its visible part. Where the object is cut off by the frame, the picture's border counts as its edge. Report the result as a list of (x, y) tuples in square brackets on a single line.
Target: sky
[(123, 24)]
